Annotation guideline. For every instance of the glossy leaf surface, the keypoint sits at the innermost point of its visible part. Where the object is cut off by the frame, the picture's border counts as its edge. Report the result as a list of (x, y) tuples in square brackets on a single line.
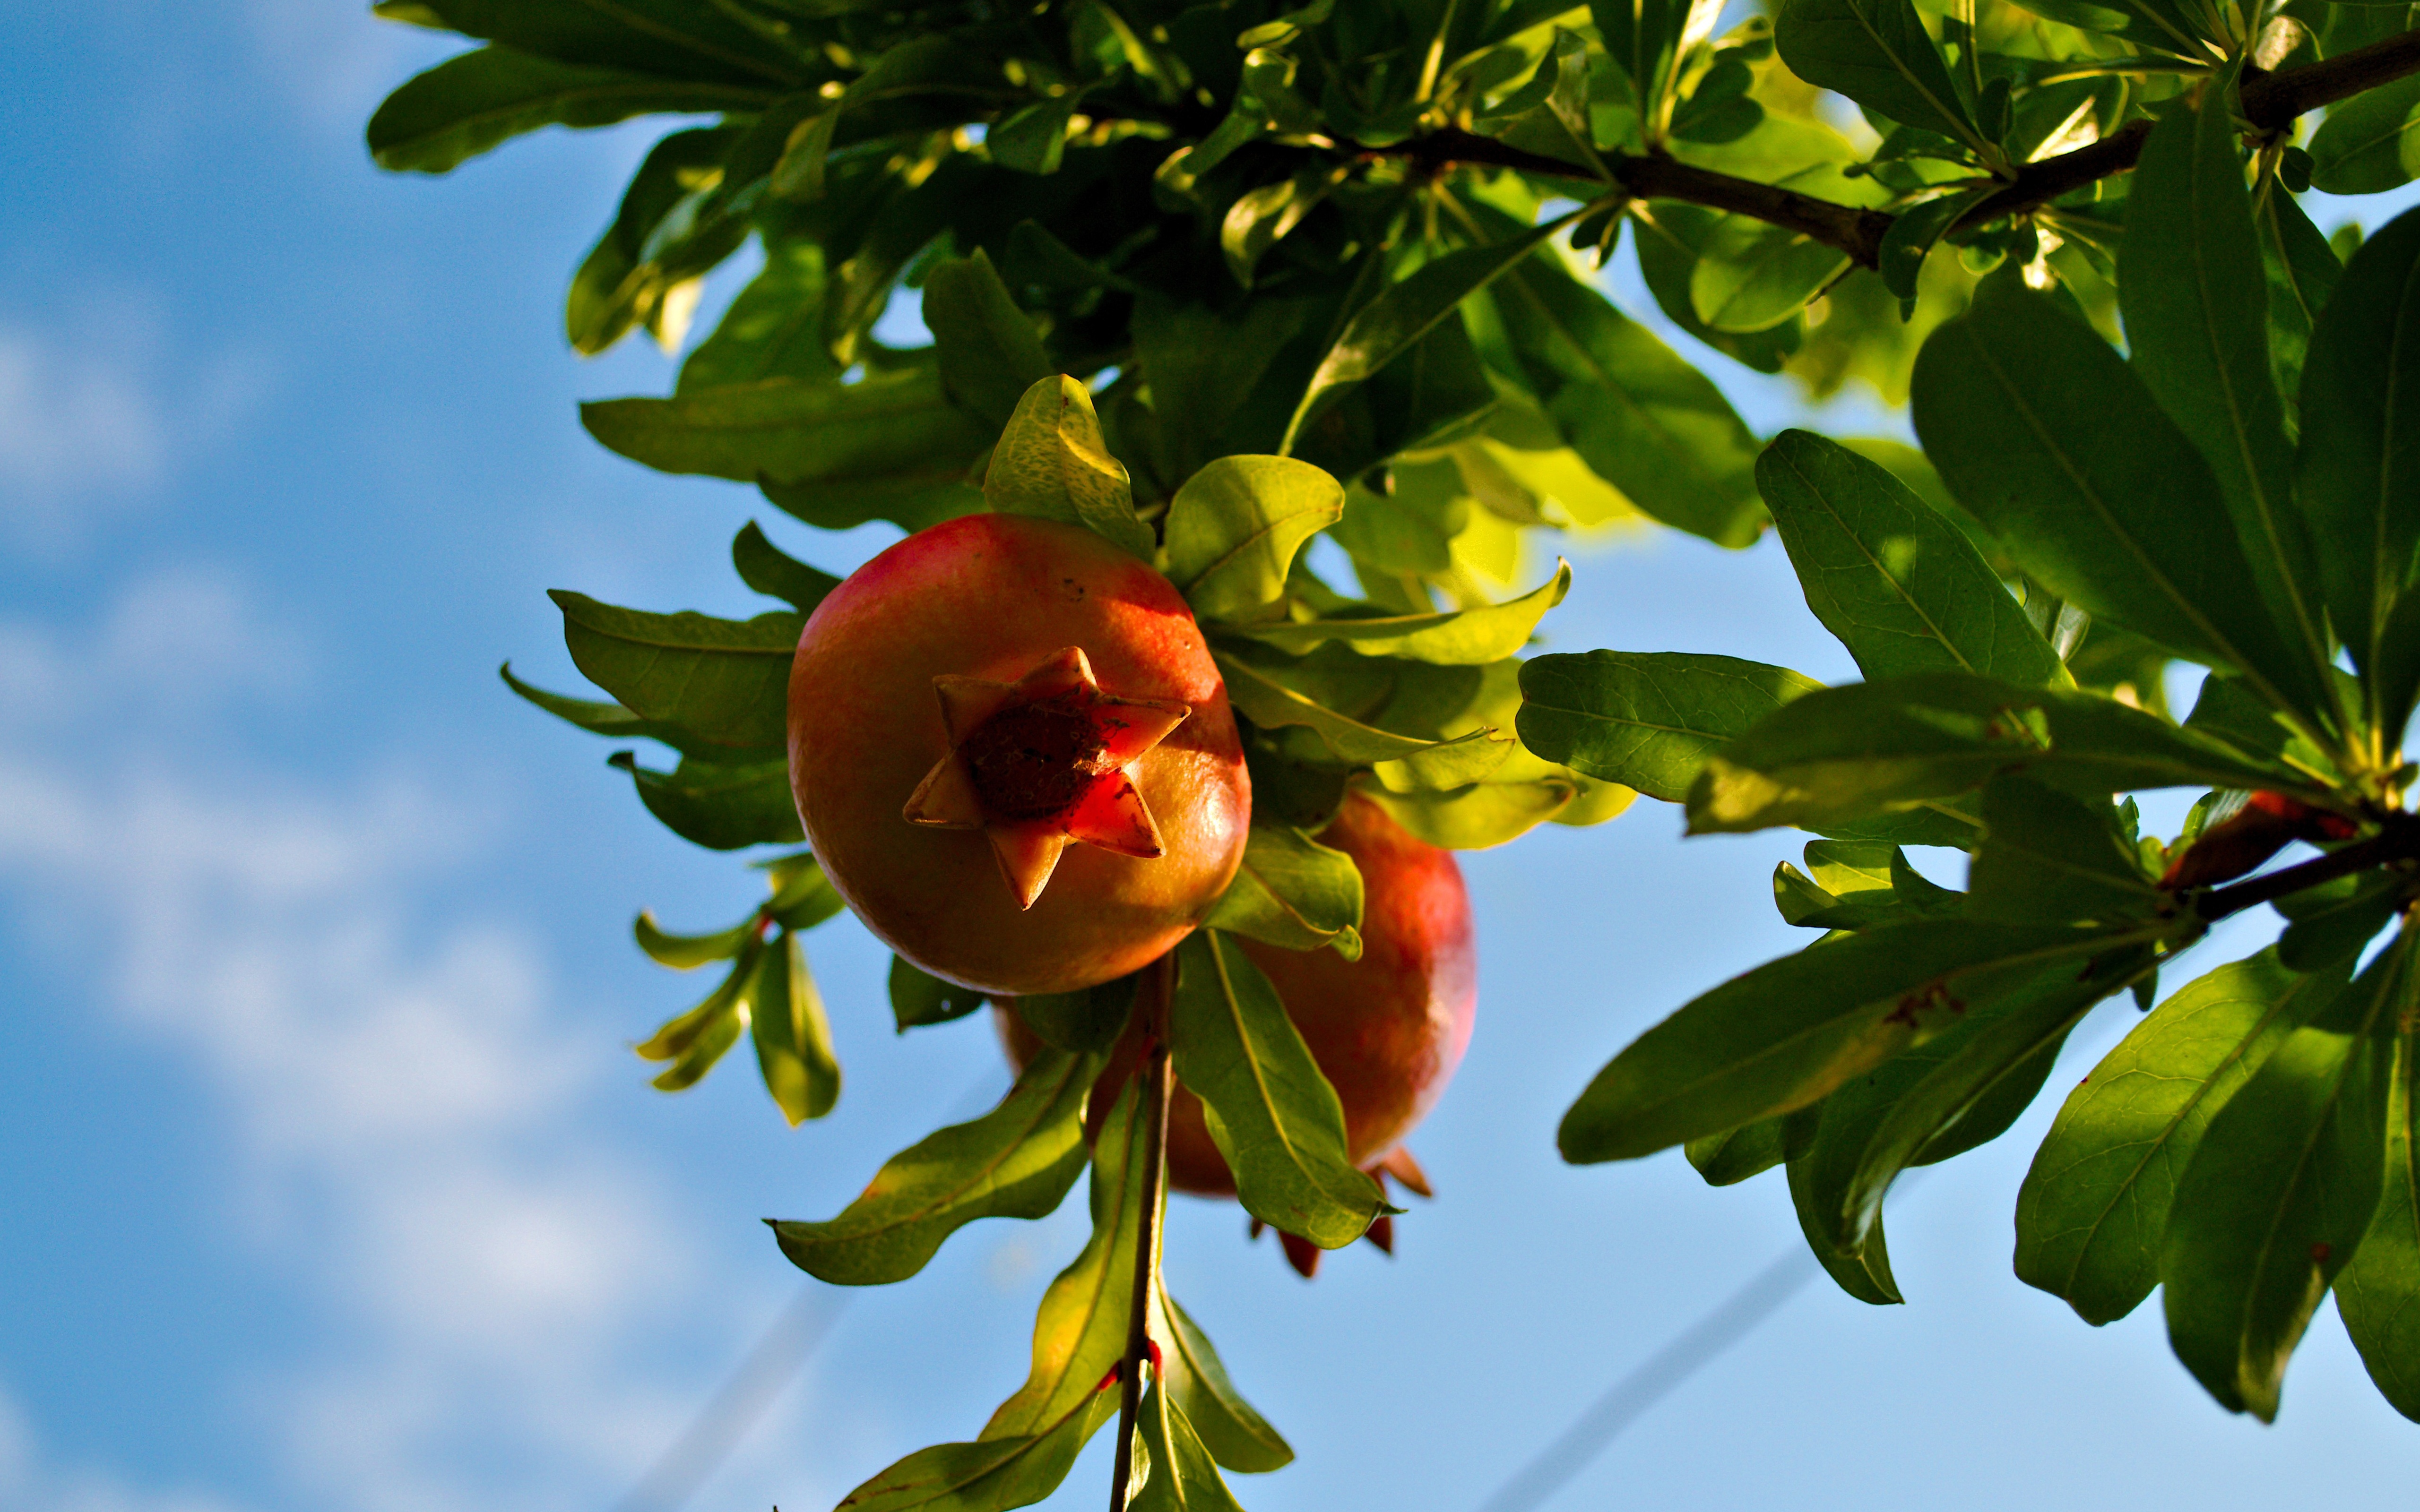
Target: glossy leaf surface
[(1647, 719), (1017, 1161), (2096, 1200), (1270, 1111), (1902, 587)]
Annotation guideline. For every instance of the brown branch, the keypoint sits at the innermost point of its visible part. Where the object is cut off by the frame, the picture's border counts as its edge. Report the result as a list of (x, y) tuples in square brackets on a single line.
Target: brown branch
[(1152, 1002), (2398, 842), (2270, 101)]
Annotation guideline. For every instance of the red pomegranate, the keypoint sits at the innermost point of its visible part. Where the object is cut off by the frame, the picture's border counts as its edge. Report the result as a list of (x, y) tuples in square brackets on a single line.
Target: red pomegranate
[(1387, 1029), (1013, 755)]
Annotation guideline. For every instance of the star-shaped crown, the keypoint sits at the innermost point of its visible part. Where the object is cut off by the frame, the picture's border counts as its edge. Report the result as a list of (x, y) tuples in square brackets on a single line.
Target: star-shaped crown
[(1041, 762)]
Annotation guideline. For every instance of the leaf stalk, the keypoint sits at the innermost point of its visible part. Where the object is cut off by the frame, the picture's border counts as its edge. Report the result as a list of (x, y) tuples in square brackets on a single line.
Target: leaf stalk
[(1158, 985)]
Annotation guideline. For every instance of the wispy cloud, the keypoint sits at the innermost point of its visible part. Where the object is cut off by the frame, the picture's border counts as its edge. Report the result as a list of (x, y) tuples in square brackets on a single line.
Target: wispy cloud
[(413, 1120), (89, 423)]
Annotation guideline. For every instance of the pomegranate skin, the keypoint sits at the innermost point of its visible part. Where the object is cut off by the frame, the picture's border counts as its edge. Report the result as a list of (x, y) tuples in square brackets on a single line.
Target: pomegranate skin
[(992, 596), (1387, 1029)]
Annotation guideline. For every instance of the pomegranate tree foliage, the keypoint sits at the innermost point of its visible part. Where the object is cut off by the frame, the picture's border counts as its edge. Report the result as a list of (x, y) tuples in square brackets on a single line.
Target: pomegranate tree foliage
[(1213, 279)]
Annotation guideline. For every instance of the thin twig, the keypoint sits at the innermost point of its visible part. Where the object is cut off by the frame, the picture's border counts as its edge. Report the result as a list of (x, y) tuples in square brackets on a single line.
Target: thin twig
[(2398, 842), (1156, 985), (2270, 102)]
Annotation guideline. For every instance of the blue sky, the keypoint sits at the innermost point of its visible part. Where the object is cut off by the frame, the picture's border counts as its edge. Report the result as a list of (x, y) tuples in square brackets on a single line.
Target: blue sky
[(329, 1183)]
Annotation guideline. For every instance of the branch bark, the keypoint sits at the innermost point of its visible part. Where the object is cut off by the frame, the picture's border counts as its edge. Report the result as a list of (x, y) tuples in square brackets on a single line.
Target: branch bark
[(2400, 840), (2270, 102)]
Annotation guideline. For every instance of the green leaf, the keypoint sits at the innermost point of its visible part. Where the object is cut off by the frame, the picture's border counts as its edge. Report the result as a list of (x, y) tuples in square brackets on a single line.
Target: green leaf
[(2279, 1197), (1270, 1111), (1485, 814), (2096, 1199), (1791, 1030), (695, 1040), (667, 38), (1865, 1273), (722, 806), (686, 952), (476, 101), (1017, 1161), (2378, 1294), (1457, 638), (2331, 926), (1752, 275), (803, 897), (776, 573), (1878, 53), (2046, 436), (2303, 273), (2048, 858), (2194, 292), (1294, 893), (668, 229), (891, 434), (1195, 1380), (1086, 1020), (1668, 249), (1642, 417), (1034, 139), (792, 1037), (773, 328), (990, 1474), (2369, 144), (1175, 1470), (1989, 1068), (988, 350), (1736, 1154), (799, 174), (1389, 325), (1080, 1331), (1204, 365), (1847, 753), (918, 998), (1235, 528), (1263, 217), (1269, 703), (1914, 233), (1647, 719), (1050, 463), (722, 680), (2361, 407), (609, 720), (1901, 586)]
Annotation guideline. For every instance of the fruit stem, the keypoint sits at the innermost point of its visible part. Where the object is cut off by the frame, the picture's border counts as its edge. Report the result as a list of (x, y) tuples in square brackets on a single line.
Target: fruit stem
[(1158, 983)]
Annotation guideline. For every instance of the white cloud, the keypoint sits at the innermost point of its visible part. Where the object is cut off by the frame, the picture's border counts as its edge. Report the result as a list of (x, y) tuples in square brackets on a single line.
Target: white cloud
[(72, 421), (406, 1107), (87, 422)]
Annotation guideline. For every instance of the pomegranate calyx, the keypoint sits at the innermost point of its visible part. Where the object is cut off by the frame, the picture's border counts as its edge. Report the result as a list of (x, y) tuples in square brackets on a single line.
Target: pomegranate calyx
[(1041, 762)]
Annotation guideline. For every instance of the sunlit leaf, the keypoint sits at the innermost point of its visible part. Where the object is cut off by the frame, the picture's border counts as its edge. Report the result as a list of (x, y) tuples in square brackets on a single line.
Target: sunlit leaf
[(1294, 893), (1017, 1161), (1647, 719), (2278, 1195), (2096, 1200), (1901, 586), (1270, 1111)]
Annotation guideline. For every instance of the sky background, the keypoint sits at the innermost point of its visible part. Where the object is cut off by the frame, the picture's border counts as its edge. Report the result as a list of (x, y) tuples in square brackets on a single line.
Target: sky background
[(329, 1181)]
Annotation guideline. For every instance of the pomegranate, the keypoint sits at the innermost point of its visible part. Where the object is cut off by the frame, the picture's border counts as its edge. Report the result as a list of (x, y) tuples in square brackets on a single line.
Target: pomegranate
[(1014, 757), (1387, 1029)]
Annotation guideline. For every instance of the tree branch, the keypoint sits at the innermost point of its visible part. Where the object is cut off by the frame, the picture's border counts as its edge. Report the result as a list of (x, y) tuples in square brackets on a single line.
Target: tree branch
[(2270, 101), (1152, 1002), (2398, 842)]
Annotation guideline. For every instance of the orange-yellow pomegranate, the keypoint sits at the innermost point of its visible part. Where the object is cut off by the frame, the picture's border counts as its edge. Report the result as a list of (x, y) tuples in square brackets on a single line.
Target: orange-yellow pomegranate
[(1387, 1029), (1014, 757)]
